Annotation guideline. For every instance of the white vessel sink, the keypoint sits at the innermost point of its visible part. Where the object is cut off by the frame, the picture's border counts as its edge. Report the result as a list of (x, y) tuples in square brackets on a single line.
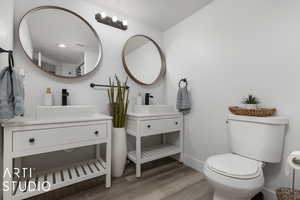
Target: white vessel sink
[(154, 109), (65, 112)]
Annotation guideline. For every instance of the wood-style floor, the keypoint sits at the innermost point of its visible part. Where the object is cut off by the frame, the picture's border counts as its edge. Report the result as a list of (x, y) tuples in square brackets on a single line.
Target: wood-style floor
[(161, 180)]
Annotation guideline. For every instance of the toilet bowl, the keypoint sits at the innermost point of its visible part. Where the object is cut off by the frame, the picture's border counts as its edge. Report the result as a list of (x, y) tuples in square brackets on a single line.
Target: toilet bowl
[(253, 141), (234, 177)]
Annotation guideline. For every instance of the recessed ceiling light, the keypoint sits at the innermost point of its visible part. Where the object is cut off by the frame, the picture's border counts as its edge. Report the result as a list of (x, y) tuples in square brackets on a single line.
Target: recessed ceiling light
[(61, 45)]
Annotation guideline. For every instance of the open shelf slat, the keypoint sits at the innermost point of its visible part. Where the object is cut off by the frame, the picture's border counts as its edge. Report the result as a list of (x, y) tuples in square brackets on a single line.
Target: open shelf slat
[(61, 177), (155, 153)]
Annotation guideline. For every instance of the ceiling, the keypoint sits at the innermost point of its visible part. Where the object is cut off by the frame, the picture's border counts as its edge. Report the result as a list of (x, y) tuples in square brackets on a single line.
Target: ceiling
[(161, 14)]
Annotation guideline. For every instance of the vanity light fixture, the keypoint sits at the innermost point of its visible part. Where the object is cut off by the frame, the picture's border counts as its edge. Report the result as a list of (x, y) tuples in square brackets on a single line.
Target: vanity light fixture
[(114, 19), (125, 23), (111, 21), (103, 15)]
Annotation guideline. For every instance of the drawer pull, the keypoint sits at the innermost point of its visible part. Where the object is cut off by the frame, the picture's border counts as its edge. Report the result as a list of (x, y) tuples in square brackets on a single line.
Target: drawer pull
[(96, 132), (149, 126), (176, 123), (31, 140)]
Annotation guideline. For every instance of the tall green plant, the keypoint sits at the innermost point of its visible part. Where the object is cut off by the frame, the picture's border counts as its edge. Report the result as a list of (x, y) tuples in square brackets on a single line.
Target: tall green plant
[(118, 100)]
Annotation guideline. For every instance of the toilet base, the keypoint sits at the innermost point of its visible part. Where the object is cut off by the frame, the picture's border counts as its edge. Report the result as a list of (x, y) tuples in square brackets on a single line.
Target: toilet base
[(220, 196)]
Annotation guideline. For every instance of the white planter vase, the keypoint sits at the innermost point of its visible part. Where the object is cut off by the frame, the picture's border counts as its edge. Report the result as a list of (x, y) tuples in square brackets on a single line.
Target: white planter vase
[(119, 151), (251, 106)]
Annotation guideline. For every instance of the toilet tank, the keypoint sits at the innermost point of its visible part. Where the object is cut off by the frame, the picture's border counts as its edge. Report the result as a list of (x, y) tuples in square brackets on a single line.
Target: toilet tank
[(258, 138)]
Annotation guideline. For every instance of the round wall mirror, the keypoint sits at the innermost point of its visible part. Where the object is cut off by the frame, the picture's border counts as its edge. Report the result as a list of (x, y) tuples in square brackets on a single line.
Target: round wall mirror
[(143, 60), (60, 42)]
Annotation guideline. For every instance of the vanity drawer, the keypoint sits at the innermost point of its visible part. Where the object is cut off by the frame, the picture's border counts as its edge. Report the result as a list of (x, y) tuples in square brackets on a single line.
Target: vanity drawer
[(157, 126), (35, 139)]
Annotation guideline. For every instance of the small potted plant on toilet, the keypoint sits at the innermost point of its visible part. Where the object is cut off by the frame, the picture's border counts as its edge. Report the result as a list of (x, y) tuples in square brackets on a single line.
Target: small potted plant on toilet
[(118, 103), (250, 102)]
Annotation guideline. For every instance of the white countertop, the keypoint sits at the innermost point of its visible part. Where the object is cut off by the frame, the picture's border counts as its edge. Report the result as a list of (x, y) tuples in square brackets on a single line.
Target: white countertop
[(23, 121), (133, 114)]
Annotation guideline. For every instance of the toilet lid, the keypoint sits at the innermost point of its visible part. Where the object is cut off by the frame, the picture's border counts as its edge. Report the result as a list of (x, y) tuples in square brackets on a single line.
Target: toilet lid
[(234, 166)]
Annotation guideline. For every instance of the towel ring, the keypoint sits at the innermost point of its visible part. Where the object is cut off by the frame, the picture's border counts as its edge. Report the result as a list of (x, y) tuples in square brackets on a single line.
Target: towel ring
[(183, 81)]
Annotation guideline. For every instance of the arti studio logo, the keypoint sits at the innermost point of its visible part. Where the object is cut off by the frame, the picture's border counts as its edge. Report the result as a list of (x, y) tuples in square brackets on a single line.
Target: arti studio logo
[(26, 175)]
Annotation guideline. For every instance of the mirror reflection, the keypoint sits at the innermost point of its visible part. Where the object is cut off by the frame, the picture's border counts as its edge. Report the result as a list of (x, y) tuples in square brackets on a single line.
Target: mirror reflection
[(60, 42), (143, 60)]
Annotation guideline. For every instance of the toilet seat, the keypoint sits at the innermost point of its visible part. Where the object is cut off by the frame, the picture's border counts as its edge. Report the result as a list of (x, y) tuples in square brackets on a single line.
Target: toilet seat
[(235, 166)]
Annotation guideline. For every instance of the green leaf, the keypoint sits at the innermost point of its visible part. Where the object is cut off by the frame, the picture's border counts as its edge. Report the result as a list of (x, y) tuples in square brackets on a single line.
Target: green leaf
[(118, 100), (250, 100)]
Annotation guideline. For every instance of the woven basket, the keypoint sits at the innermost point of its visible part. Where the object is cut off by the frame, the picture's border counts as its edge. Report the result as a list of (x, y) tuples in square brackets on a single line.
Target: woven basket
[(258, 112), (287, 194)]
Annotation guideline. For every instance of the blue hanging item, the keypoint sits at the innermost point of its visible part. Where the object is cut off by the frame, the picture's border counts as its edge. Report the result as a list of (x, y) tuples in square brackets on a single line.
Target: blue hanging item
[(11, 90)]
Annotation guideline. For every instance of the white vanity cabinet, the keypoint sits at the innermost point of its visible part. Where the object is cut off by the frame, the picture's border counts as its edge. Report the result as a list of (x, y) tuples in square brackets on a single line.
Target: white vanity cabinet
[(142, 125), (31, 137)]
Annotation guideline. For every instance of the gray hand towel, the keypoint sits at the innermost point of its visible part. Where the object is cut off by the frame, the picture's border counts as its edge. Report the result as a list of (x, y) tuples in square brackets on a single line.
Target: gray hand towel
[(183, 100), (11, 94)]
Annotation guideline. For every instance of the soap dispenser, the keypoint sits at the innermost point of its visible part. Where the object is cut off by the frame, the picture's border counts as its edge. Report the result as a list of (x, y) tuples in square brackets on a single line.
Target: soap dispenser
[(48, 98)]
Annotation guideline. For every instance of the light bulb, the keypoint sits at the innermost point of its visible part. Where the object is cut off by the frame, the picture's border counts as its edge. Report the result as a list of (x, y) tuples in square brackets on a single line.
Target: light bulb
[(103, 15), (125, 23), (114, 19)]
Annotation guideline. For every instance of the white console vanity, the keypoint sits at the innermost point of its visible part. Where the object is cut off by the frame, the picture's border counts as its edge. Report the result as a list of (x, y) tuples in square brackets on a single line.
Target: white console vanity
[(154, 120), (45, 134)]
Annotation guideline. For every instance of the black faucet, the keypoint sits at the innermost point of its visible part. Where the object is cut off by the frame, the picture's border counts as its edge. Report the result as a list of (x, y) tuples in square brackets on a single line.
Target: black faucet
[(64, 97), (147, 98)]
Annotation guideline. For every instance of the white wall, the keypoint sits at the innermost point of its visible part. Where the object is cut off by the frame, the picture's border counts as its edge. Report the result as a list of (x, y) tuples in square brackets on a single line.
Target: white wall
[(6, 28), (231, 49), (80, 93)]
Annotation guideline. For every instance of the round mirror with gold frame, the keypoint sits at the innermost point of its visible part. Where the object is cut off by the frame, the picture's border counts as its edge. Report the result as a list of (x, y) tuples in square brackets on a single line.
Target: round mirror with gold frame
[(143, 60), (60, 42)]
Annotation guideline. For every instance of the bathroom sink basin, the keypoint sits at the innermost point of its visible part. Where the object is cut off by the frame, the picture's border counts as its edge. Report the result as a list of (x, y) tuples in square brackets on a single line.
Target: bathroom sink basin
[(154, 109), (65, 112)]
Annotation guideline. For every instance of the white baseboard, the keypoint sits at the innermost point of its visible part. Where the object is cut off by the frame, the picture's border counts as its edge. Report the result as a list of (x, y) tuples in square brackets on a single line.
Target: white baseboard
[(193, 163), (197, 165)]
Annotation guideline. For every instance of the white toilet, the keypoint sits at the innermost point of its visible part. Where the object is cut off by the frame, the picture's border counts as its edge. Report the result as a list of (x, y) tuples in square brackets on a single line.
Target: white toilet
[(253, 141)]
